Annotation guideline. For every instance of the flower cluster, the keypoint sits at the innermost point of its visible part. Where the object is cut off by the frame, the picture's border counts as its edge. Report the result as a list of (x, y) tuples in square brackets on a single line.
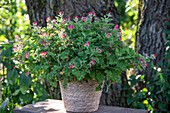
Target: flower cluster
[(76, 49), (43, 54)]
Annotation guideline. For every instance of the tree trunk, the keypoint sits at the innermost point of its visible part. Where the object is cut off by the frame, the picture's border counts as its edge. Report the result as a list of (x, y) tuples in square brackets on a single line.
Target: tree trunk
[(152, 38), (39, 10)]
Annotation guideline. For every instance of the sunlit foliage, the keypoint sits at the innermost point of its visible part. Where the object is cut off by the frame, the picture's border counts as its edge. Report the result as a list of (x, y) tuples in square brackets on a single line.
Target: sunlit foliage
[(13, 19)]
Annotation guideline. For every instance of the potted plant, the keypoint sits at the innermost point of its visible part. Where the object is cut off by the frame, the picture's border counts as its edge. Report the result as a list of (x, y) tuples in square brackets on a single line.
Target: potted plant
[(79, 53)]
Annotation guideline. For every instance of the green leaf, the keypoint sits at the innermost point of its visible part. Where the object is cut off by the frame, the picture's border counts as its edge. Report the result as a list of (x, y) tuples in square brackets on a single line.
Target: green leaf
[(4, 106), (167, 31), (87, 52), (145, 102), (129, 100), (25, 82), (6, 52), (145, 90), (100, 78), (17, 92), (12, 76), (139, 67), (133, 82), (108, 74), (64, 57), (79, 74), (40, 91), (166, 23), (141, 105), (27, 97), (51, 53), (117, 53), (81, 53)]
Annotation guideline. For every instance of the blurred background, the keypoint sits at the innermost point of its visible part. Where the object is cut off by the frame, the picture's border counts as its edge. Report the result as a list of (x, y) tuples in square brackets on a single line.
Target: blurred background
[(17, 90)]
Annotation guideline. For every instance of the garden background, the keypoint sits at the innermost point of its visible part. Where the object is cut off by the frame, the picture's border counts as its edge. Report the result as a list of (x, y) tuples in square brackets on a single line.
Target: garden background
[(145, 27)]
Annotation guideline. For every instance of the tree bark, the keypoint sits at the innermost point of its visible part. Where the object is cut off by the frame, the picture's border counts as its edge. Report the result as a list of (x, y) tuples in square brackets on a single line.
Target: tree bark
[(152, 38), (39, 10)]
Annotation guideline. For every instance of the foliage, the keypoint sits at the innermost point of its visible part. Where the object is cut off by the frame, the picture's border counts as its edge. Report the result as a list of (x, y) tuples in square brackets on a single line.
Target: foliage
[(149, 94), (85, 49), (153, 96), (128, 20), (153, 93), (13, 20), (17, 89)]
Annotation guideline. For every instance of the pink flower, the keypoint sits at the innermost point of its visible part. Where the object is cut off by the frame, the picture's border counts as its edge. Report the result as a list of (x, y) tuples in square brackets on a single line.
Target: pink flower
[(34, 23), (47, 34), (22, 45), (43, 43), (76, 17), (146, 65), (120, 32), (117, 27), (54, 21), (84, 19), (49, 42), (94, 14), (26, 55), (120, 39), (27, 73), (17, 36), (101, 50), (15, 67), (154, 55), (72, 26), (69, 18), (90, 13), (19, 41), (41, 33), (84, 44), (109, 34), (110, 54), (15, 48), (43, 54), (88, 43), (64, 35), (109, 11), (90, 65), (71, 66), (61, 12), (48, 18), (141, 60), (93, 61)]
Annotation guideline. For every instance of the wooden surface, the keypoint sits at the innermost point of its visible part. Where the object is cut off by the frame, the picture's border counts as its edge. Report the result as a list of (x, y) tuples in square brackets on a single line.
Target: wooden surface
[(56, 106)]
